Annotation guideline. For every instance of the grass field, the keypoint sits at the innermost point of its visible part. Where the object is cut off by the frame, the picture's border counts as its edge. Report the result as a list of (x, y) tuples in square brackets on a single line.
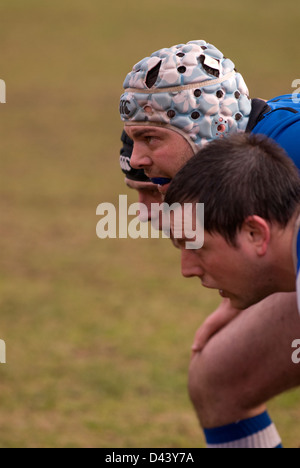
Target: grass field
[(98, 332)]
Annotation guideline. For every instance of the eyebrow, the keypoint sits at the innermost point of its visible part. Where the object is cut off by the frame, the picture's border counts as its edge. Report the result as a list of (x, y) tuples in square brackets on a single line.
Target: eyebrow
[(141, 133)]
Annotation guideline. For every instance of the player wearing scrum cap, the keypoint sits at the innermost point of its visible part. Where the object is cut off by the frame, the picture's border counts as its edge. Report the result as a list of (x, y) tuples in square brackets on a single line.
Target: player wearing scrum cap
[(175, 102)]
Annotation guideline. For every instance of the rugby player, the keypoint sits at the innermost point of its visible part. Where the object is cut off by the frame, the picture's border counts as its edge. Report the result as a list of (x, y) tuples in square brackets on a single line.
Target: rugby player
[(175, 102)]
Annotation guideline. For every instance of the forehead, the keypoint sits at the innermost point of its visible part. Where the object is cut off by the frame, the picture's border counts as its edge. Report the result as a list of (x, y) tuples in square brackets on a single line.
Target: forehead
[(138, 131), (187, 224)]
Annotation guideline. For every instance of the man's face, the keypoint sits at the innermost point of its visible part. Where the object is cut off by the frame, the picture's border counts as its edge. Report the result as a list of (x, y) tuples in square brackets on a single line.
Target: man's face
[(236, 272), (159, 151)]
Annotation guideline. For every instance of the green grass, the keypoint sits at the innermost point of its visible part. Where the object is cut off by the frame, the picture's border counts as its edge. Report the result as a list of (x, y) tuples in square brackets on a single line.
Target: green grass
[(98, 333)]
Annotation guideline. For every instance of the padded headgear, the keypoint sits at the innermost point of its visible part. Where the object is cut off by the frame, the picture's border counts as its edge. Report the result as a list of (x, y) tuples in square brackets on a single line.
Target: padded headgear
[(190, 88)]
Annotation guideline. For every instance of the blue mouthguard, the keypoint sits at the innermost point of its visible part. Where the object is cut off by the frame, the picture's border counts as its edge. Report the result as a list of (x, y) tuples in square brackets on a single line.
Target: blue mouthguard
[(160, 180)]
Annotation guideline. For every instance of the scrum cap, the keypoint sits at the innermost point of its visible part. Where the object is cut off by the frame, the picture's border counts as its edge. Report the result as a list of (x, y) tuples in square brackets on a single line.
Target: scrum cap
[(190, 88)]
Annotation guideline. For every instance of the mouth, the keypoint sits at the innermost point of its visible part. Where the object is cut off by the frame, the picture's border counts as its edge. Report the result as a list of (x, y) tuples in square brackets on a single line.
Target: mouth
[(222, 293)]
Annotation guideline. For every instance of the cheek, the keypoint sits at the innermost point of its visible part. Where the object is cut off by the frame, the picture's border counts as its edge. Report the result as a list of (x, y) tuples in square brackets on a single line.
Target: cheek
[(170, 158), (184, 152), (162, 156), (240, 274), (222, 267)]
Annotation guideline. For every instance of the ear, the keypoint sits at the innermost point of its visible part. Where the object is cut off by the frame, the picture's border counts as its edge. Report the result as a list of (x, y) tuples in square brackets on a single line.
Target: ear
[(258, 233)]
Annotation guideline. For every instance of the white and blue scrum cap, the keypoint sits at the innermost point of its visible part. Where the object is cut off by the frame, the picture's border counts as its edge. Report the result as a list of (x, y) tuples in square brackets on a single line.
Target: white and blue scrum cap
[(190, 88)]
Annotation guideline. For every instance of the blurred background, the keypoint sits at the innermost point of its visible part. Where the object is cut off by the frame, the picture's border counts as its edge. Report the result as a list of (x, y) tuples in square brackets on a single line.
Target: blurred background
[(98, 332)]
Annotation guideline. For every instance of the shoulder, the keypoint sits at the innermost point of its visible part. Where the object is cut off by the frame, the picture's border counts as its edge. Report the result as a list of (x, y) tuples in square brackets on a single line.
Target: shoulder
[(282, 123)]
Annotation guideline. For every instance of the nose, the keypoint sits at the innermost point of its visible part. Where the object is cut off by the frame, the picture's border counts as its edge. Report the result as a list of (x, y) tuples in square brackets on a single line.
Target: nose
[(139, 158), (190, 265)]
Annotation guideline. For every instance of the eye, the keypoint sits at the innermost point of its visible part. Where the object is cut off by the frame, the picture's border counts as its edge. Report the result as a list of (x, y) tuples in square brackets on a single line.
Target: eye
[(150, 139)]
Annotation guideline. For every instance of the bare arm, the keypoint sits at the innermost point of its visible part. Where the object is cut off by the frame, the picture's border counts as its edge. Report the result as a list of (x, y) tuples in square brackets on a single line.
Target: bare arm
[(224, 314)]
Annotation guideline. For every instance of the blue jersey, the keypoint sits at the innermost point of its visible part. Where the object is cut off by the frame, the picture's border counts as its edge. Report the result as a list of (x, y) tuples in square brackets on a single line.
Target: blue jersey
[(279, 119)]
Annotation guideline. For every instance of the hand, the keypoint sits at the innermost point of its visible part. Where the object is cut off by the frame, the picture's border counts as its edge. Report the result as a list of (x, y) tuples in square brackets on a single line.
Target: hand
[(224, 314)]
